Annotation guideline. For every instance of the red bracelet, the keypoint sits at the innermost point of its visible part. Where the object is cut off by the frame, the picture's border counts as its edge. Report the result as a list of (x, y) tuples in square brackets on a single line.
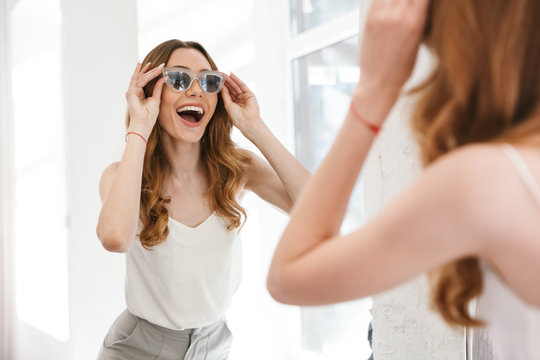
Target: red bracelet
[(370, 126), (139, 135)]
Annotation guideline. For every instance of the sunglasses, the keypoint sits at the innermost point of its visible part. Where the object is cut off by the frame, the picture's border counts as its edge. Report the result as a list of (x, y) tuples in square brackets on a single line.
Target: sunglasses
[(181, 79)]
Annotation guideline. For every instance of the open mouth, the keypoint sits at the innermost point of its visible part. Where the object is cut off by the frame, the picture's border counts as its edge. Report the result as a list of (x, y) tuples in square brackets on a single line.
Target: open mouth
[(190, 114)]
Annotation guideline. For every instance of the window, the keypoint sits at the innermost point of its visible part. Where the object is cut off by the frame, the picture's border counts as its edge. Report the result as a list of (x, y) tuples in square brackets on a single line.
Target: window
[(323, 83), (308, 14)]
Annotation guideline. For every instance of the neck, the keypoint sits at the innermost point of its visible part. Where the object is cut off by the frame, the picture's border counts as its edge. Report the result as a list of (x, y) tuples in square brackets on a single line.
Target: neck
[(184, 157)]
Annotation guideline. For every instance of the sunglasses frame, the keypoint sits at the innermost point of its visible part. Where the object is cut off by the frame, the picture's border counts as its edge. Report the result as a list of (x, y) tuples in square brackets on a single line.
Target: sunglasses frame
[(193, 76)]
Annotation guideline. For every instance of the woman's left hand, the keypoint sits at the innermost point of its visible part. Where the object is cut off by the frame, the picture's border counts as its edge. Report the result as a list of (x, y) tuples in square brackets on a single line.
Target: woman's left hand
[(241, 104)]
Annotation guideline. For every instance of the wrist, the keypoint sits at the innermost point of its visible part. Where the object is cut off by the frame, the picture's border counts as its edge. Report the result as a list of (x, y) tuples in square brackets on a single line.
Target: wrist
[(253, 129), (141, 130), (374, 101), (139, 137)]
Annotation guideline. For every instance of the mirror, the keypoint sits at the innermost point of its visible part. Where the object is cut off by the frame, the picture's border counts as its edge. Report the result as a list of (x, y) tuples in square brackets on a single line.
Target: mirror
[(71, 61)]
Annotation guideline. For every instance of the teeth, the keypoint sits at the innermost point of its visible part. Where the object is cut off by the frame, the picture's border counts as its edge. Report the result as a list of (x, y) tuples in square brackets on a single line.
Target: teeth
[(191, 108)]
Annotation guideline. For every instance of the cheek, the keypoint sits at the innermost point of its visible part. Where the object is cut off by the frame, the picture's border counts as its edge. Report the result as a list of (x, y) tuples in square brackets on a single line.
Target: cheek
[(165, 105), (212, 104), (167, 98), (161, 113)]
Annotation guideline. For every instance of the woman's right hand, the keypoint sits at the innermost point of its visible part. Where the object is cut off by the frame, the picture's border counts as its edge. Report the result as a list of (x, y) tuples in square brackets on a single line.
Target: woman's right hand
[(389, 45), (144, 111), (388, 49)]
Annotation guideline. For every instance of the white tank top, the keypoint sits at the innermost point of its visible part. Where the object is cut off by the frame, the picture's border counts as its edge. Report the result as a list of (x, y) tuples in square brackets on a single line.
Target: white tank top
[(188, 280), (513, 326)]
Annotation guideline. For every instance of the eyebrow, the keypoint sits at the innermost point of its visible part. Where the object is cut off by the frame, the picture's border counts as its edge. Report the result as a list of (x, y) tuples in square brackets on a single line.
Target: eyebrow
[(187, 67)]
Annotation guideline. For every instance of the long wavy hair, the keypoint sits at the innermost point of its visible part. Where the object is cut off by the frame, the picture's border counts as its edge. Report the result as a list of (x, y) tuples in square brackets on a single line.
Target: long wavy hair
[(485, 87), (225, 163)]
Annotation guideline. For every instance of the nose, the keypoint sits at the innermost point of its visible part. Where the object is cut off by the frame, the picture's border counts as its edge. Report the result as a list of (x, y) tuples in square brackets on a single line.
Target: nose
[(195, 89)]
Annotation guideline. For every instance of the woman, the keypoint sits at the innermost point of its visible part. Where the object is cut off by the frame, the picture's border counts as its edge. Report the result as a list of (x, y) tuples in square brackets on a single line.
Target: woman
[(473, 218), (171, 203)]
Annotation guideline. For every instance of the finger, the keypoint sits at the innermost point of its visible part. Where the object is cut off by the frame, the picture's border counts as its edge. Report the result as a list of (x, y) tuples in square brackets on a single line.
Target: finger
[(240, 83), (232, 92), (234, 86), (146, 77), (158, 88), (145, 68), (377, 5), (420, 7), (417, 14), (135, 75), (420, 3), (406, 6), (228, 85), (225, 94)]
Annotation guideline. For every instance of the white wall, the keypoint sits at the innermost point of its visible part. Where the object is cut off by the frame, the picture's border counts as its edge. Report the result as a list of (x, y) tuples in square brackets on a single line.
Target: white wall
[(99, 40), (99, 47), (5, 181)]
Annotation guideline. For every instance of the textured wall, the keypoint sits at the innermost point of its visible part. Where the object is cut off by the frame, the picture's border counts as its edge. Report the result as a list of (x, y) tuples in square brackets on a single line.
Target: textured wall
[(404, 326)]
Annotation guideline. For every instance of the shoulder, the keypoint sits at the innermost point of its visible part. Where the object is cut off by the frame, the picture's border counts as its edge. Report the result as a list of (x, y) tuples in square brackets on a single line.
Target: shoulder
[(253, 161), (453, 195), (107, 178), (473, 169), (111, 168), (471, 157), (459, 199), (483, 185), (110, 171), (257, 169)]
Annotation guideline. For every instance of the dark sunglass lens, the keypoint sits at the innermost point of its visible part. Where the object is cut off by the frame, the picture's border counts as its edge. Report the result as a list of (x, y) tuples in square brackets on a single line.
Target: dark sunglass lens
[(211, 83), (179, 80)]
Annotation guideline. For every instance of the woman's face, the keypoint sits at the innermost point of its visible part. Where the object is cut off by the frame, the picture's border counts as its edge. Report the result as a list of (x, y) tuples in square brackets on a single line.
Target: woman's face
[(180, 122)]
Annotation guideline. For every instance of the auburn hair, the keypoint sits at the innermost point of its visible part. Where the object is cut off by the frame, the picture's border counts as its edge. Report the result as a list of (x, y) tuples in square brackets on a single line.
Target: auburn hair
[(225, 163), (485, 87)]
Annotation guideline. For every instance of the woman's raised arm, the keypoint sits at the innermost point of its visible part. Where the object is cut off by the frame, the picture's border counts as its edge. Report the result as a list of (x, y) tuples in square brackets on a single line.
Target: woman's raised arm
[(279, 181), (120, 185)]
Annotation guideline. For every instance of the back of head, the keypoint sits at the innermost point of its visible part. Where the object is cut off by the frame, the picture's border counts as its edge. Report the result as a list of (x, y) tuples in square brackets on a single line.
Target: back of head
[(486, 83), (485, 87)]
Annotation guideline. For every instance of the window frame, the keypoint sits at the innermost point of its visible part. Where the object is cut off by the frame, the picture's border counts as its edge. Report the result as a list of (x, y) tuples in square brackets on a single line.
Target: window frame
[(313, 40), (6, 185)]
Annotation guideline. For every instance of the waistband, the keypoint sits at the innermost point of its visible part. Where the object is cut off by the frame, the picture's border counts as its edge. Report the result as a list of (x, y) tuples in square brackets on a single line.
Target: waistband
[(204, 330)]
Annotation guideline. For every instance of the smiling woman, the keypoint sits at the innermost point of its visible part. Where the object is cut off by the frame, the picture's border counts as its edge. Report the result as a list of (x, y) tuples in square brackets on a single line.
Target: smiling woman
[(180, 79), (172, 203)]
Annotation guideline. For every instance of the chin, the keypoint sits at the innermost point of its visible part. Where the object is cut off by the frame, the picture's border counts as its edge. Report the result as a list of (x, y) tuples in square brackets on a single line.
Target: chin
[(190, 139), (184, 134), (180, 135)]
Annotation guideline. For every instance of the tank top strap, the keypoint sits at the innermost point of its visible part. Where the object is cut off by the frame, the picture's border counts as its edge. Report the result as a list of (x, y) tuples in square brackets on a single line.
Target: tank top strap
[(523, 171)]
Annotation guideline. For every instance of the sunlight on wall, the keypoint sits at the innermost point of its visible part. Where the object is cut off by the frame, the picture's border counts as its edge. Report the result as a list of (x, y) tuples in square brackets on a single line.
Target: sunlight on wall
[(41, 280)]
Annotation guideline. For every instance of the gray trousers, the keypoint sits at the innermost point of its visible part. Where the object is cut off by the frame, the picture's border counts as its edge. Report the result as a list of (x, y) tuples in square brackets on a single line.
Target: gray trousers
[(133, 338)]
